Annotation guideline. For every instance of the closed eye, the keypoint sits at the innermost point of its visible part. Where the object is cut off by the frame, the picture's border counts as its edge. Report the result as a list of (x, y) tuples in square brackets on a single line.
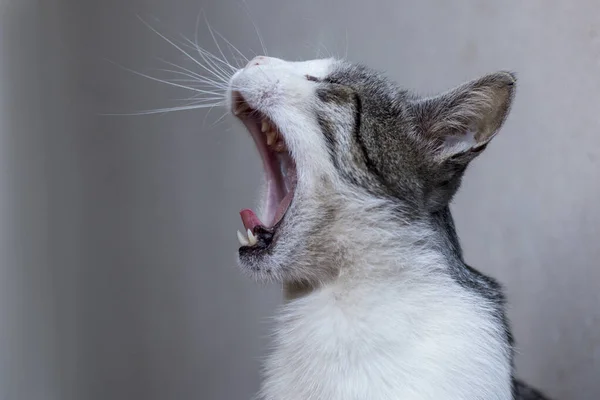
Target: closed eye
[(312, 78)]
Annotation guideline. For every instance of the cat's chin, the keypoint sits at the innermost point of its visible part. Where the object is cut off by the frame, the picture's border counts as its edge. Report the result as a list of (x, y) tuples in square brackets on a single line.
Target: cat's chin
[(281, 178)]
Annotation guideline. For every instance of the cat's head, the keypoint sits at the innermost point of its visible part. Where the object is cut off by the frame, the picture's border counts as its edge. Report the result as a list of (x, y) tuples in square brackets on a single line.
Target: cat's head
[(339, 143)]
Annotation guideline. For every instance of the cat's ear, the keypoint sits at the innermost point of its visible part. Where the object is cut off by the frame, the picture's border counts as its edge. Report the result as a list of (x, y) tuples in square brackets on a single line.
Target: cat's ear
[(460, 123)]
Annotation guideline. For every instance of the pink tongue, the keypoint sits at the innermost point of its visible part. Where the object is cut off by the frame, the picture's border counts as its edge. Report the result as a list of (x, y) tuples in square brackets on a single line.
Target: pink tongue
[(249, 219)]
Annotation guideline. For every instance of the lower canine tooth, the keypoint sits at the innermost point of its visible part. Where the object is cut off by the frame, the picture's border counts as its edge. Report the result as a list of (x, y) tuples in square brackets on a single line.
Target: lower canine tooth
[(251, 238), (242, 239), (271, 136)]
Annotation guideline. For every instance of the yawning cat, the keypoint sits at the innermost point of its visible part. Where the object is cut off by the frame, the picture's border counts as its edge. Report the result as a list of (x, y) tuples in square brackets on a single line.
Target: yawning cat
[(356, 225)]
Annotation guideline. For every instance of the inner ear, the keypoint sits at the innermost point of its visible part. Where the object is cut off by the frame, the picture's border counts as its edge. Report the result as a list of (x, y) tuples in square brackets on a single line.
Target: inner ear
[(460, 122)]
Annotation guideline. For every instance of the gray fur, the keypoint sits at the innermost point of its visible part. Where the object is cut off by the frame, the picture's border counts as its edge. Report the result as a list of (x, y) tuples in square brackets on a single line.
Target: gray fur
[(402, 137)]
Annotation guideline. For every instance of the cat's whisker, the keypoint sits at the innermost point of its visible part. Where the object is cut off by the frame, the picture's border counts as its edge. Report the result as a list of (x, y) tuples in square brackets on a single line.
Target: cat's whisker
[(199, 98), (210, 91), (157, 79), (192, 80), (196, 45), (226, 64), (198, 77), (220, 118), (211, 59), (192, 73), (198, 48), (170, 109), (233, 47), (194, 83), (203, 100), (216, 41), (181, 50), (206, 116), (260, 38), (327, 51), (203, 52)]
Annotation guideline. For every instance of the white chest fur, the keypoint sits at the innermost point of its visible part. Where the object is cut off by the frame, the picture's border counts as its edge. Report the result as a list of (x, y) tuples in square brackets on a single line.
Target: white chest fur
[(409, 340)]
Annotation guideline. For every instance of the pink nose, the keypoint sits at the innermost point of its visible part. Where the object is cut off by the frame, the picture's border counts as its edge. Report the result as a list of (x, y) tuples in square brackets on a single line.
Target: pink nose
[(258, 60)]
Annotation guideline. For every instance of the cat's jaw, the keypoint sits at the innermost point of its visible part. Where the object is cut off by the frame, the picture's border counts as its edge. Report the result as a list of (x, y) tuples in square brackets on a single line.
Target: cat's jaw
[(274, 100)]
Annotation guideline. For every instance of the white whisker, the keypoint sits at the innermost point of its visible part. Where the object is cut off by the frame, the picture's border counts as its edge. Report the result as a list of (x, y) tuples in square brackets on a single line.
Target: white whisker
[(215, 40), (180, 49), (206, 116), (198, 77), (191, 80), (220, 118), (204, 100), (196, 29), (210, 59), (260, 39), (329, 54), (167, 110), (209, 89), (232, 46), (202, 52), (199, 48), (240, 61), (155, 79), (197, 100)]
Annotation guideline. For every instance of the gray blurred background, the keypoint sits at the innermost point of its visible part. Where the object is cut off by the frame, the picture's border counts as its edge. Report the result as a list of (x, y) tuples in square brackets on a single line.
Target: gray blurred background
[(117, 234)]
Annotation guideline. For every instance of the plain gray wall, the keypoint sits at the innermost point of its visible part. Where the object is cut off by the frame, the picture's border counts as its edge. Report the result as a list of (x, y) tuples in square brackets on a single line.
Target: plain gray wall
[(117, 234)]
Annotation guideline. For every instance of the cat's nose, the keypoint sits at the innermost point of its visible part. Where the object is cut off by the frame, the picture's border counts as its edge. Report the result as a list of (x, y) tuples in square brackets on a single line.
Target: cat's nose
[(258, 60), (263, 60)]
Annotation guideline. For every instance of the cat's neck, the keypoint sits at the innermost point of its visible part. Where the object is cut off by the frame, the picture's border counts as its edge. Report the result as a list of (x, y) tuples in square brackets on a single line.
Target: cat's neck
[(443, 241)]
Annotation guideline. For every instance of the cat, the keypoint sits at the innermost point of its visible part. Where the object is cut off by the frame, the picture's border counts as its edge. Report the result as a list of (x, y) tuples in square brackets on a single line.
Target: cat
[(357, 228)]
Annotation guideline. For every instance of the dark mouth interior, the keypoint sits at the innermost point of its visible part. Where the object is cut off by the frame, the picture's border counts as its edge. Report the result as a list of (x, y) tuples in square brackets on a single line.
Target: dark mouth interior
[(280, 173)]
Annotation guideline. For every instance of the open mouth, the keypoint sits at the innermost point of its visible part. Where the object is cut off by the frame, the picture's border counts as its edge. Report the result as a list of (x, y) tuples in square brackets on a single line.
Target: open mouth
[(280, 173)]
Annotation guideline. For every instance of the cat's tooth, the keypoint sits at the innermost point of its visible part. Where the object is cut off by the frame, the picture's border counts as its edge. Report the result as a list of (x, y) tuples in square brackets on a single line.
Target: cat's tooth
[(251, 238), (242, 239), (265, 126), (271, 136)]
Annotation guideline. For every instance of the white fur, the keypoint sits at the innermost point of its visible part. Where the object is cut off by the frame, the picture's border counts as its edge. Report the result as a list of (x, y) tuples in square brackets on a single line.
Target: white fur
[(393, 324), (383, 341), (390, 327)]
